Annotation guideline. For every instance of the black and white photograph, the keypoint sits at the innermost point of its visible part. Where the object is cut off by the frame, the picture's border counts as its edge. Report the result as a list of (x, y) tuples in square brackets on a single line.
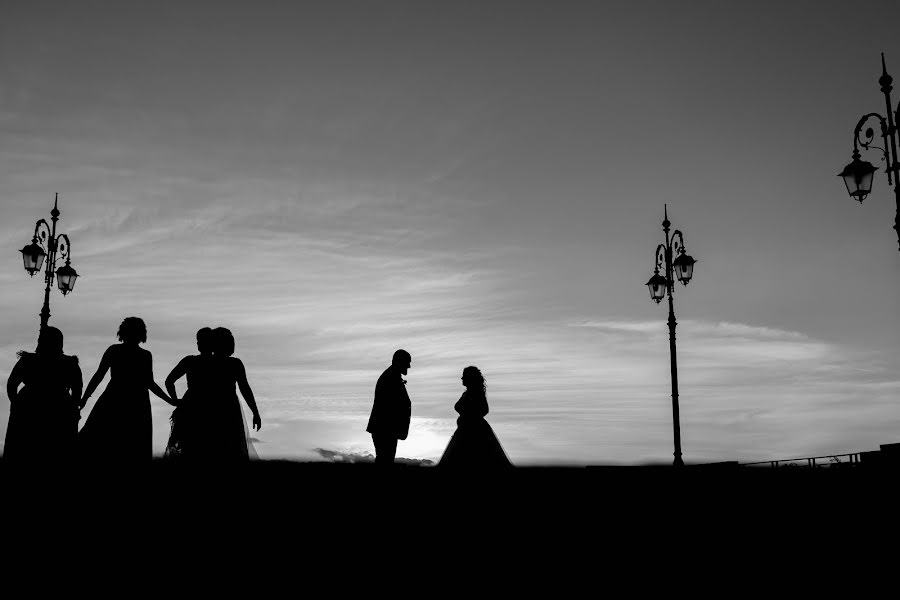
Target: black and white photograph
[(496, 265)]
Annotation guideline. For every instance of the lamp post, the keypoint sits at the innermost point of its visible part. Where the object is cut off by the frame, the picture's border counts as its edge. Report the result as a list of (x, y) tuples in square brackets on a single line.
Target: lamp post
[(47, 245), (858, 175), (681, 266)]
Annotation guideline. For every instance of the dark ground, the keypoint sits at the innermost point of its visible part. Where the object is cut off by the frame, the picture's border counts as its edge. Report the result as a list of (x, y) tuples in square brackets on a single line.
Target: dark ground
[(279, 520)]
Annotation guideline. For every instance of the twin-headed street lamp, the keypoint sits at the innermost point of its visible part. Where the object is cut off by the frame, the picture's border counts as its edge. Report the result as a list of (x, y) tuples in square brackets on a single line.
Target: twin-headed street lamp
[(681, 266), (859, 174), (47, 247)]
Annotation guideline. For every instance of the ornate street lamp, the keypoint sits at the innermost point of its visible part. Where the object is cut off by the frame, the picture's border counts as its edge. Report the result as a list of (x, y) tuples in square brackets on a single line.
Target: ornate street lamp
[(681, 267), (657, 285), (858, 175), (34, 256), (65, 277), (47, 248), (684, 266)]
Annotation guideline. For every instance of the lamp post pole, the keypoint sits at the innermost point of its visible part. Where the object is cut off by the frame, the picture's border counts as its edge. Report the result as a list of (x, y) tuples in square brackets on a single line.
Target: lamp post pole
[(681, 266), (57, 248), (53, 247), (858, 175), (676, 418)]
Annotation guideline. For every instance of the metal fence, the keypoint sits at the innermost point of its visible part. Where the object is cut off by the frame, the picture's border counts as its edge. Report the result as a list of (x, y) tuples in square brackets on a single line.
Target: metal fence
[(828, 461)]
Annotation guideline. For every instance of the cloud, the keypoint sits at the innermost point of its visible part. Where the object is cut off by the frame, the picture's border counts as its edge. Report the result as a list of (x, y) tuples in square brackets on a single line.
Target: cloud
[(345, 457), (320, 281), (626, 326), (708, 328), (367, 457)]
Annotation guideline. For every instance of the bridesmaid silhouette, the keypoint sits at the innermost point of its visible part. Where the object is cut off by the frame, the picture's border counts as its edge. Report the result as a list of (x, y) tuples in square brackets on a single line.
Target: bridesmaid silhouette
[(474, 444), (43, 415), (187, 419), (120, 428), (222, 431)]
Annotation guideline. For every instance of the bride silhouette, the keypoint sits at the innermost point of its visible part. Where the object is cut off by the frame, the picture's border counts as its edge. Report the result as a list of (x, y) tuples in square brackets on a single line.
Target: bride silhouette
[(474, 444)]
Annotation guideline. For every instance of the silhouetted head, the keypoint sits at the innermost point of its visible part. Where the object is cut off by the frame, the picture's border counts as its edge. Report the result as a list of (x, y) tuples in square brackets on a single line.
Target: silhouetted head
[(132, 331), (222, 341), (205, 340), (401, 361), (50, 341), (474, 380)]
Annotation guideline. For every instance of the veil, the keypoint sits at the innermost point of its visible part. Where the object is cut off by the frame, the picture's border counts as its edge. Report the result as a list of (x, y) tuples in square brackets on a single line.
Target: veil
[(251, 449)]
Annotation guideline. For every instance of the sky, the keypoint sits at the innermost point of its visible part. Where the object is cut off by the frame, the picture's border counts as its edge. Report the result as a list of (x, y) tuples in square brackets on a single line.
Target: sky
[(479, 183)]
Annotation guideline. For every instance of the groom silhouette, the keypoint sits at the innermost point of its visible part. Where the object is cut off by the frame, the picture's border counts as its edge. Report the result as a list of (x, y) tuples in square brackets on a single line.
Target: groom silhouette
[(391, 410)]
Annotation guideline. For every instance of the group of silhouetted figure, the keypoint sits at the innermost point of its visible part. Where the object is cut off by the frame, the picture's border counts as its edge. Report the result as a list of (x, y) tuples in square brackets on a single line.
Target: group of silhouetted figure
[(207, 424)]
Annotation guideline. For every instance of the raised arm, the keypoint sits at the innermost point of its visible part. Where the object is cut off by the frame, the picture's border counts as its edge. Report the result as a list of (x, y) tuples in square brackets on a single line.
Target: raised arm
[(177, 373), (153, 386), (99, 375), (246, 392)]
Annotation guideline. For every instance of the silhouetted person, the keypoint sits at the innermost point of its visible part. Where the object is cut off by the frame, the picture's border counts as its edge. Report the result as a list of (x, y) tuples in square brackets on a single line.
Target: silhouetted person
[(474, 444), (187, 418), (43, 415), (120, 428), (391, 410), (221, 434)]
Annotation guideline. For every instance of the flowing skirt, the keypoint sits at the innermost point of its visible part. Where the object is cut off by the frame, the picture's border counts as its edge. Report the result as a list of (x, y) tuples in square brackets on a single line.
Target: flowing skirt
[(119, 428), (210, 429), (475, 446), (40, 428)]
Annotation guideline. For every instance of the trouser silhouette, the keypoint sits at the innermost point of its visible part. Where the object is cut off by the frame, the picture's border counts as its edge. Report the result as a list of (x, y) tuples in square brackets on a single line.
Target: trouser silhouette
[(385, 449)]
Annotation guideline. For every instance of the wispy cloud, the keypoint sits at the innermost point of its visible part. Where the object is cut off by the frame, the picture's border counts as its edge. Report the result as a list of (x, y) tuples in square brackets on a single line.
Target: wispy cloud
[(717, 329), (319, 294)]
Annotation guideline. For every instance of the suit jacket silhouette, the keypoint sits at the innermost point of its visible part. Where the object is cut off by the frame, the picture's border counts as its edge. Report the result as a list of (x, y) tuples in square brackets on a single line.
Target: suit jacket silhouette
[(392, 409)]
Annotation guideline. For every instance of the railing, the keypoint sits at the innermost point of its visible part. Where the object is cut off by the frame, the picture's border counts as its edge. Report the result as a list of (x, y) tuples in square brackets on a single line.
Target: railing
[(888, 455), (827, 462)]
